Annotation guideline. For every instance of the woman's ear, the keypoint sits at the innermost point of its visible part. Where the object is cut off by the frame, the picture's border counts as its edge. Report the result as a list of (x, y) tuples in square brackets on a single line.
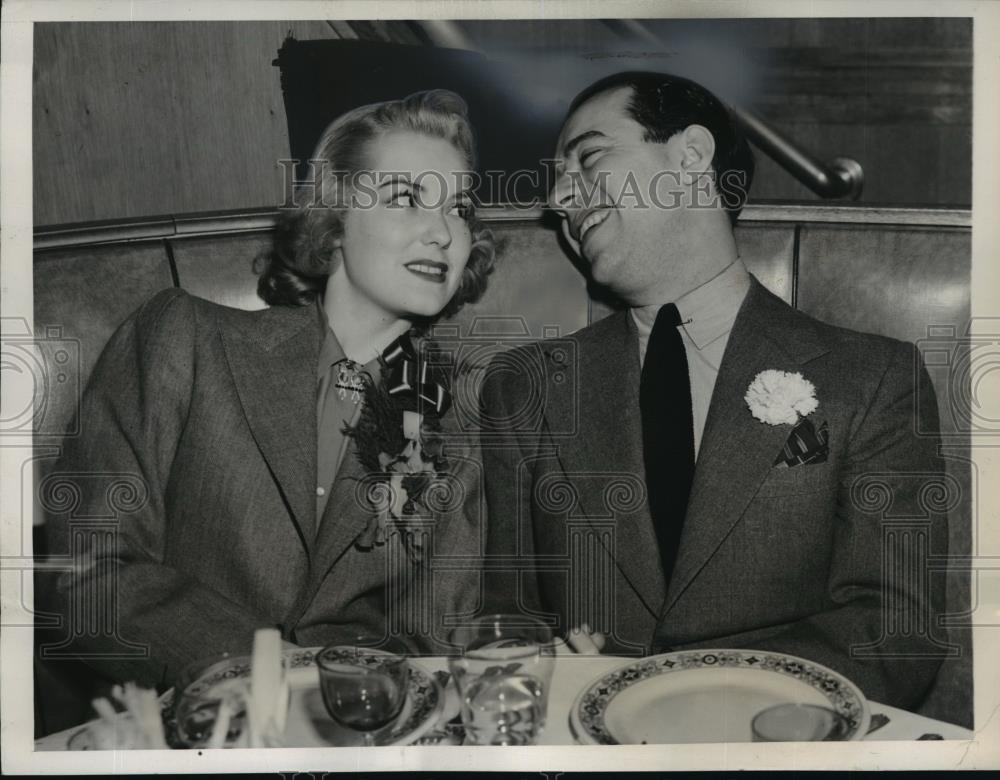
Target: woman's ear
[(336, 254)]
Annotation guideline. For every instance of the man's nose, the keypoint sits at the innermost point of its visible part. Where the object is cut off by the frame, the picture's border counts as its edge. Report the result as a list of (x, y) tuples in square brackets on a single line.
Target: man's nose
[(563, 197), (435, 228)]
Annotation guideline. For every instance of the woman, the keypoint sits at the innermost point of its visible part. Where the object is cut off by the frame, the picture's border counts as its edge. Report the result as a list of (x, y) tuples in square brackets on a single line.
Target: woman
[(240, 501)]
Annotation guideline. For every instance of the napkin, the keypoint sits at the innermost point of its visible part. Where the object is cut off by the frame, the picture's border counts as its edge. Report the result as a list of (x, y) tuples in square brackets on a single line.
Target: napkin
[(140, 727), (267, 707)]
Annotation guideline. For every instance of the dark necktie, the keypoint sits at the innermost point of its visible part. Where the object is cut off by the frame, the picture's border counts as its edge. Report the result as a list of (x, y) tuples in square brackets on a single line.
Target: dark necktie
[(667, 432)]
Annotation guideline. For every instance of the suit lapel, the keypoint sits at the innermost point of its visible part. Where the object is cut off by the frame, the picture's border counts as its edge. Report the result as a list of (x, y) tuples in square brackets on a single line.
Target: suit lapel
[(609, 441), (737, 450), (273, 364)]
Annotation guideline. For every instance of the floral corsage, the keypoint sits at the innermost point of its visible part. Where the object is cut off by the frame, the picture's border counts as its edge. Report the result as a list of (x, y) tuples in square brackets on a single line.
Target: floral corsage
[(780, 397), (399, 444)]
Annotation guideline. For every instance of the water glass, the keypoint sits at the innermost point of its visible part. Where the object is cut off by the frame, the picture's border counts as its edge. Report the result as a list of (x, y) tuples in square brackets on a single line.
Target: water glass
[(363, 688), (503, 673)]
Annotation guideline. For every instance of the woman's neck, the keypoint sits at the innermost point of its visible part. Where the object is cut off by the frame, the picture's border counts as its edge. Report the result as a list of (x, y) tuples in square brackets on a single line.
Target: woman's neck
[(362, 330)]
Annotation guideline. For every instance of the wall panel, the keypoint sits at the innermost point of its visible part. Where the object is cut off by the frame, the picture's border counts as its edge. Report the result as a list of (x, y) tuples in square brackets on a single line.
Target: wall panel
[(157, 117)]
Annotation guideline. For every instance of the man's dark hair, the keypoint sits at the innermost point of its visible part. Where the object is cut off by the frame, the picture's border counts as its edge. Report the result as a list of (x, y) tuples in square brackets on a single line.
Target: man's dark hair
[(664, 105)]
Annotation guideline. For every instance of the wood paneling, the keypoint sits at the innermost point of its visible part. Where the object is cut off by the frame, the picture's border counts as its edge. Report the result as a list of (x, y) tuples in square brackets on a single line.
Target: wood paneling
[(158, 117), (903, 164), (134, 119)]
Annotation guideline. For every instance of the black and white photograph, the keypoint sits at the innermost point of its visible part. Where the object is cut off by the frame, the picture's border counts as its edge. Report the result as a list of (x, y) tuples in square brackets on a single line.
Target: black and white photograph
[(616, 392)]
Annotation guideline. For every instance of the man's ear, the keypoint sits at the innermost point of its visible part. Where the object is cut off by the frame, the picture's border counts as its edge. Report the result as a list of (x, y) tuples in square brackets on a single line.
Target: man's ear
[(697, 149)]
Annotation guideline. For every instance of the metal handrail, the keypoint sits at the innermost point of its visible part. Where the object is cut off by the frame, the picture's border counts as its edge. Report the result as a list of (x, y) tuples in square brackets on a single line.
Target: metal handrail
[(840, 177)]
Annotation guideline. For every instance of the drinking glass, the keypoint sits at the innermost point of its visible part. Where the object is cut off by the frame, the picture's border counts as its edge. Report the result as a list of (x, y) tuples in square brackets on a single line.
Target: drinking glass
[(201, 689), (798, 723), (363, 688), (503, 673)]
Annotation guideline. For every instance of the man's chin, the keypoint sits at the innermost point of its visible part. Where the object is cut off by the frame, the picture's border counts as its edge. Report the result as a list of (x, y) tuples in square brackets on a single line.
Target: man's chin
[(602, 268)]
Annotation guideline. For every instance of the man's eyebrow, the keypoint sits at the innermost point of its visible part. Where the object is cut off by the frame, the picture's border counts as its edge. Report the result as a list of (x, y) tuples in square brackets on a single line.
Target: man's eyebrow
[(576, 140)]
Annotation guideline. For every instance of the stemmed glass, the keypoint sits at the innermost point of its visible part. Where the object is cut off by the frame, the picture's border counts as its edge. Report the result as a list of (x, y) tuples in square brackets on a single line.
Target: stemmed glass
[(364, 688)]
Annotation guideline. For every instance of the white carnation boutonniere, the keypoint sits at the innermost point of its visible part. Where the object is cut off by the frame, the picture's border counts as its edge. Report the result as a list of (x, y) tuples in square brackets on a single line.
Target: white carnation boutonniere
[(780, 397)]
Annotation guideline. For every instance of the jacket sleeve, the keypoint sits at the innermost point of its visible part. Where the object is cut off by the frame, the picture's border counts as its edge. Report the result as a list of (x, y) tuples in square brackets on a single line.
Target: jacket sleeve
[(124, 612), (891, 511), (509, 586)]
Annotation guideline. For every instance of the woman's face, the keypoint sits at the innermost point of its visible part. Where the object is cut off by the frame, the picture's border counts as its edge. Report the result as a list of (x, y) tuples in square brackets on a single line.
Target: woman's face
[(405, 239)]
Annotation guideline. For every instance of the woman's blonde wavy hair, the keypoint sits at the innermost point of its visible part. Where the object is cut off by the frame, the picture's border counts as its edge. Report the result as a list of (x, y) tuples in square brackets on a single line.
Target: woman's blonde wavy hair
[(294, 271)]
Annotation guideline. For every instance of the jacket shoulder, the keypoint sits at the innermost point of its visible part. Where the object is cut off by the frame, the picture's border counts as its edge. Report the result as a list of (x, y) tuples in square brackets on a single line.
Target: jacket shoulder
[(176, 309), (863, 347)]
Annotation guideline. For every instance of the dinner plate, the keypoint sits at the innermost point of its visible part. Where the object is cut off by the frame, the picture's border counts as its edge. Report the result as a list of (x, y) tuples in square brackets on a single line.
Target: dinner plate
[(707, 696), (308, 723)]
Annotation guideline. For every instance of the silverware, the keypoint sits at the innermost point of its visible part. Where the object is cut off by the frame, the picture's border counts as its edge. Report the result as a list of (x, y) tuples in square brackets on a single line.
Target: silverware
[(878, 721)]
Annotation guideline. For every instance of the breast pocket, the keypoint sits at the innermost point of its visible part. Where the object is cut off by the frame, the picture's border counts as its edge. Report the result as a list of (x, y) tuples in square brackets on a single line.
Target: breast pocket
[(807, 478)]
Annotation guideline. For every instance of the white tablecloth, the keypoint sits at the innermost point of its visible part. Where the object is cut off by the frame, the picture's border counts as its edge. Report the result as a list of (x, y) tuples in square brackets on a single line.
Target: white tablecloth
[(573, 672)]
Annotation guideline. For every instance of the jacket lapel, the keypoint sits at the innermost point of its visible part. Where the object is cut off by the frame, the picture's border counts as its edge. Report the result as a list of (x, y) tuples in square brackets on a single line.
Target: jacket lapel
[(273, 364), (609, 441), (345, 516), (737, 450)]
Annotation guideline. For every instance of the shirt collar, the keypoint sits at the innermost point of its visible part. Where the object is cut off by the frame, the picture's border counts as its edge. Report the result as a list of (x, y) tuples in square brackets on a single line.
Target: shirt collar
[(709, 310), (331, 353)]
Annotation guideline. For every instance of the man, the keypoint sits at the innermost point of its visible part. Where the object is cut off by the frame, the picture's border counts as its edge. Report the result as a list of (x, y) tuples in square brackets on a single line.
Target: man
[(734, 460)]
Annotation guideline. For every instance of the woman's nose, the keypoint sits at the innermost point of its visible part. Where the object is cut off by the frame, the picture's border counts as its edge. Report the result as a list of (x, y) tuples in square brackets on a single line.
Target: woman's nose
[(436, 230)]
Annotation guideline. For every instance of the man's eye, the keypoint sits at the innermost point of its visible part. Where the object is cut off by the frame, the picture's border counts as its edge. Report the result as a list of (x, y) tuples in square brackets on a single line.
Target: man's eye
[(589, 155)]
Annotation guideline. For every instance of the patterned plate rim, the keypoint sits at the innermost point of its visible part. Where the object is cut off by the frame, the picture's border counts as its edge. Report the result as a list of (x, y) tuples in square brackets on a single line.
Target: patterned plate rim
[(587, 713), (421, 719)]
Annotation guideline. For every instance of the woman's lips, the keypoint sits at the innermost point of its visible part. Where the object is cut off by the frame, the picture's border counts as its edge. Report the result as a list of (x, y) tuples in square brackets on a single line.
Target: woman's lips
[(430, 270)]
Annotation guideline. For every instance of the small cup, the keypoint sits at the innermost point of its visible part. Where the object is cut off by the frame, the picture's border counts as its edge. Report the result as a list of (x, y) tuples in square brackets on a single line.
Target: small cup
[(798, 723)]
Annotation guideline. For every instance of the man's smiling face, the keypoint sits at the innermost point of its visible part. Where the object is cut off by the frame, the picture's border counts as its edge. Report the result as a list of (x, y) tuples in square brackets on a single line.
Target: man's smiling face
[(615, 192)]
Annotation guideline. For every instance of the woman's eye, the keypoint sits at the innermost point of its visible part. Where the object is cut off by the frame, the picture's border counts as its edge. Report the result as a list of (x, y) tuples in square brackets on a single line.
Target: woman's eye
[(402, 198), (462, 209)]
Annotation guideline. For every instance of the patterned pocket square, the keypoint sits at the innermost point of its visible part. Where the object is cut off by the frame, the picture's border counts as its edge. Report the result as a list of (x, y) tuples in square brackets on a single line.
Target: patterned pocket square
[(805, 445)]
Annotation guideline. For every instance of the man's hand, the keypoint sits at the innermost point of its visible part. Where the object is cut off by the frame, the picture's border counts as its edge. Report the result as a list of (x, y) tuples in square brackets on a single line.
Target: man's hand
[(586, 642)]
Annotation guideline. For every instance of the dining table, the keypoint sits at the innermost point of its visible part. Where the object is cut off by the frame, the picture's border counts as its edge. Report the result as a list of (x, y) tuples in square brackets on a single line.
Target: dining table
[(571, 674)]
